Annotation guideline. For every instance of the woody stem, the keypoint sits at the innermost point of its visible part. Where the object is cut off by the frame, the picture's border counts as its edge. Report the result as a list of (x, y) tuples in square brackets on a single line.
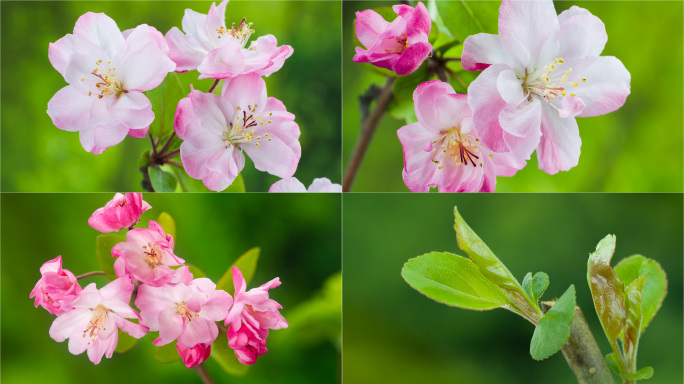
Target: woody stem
[(94, 273)]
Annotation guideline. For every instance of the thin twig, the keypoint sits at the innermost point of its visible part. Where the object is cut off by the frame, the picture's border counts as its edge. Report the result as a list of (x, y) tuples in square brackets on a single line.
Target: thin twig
[(154, 146), (166, 145), (203, 373), (368, 128), (211, 89), (221, 327), (169, 155), (93, 273), (175, 164)]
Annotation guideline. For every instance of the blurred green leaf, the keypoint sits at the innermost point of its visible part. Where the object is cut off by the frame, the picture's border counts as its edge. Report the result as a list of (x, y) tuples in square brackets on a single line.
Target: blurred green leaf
[(434, 33), (465, 18), (643, 374), (238, 185), (103, 249), (655, 288), (612, 362), (246, 263), (606, 288), (167, 222), (188, 184), (196, 272), (225, 356), (402, 110), (453, 280), (167, 354), (144, 159), (633, 307), (405, 85), (162, 181), (125, 342), (164, 101), (553, 329)]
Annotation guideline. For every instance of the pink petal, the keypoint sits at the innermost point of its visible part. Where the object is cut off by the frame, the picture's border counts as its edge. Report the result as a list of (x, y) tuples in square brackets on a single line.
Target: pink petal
[(534, 24), (418, 165), (264, 57), (607, 85), (486, 102), (184, 50), (289, 184), (417, 19), (198, 330), (280, 154), (69, 109), (215, 20), (520, 127), (510, 87), (142, 35), (424, 98), (323, 184), (133, 330), (223, 62), (102, 31), (581, 34), (119, 289), (246, 90), (170, 326), (482, 50), (193, 25), (133, 109), (369, 26), (222, 171), (238, 281), (143, 69), (412, 58), (69, 324), (559, 148), (571, 106)]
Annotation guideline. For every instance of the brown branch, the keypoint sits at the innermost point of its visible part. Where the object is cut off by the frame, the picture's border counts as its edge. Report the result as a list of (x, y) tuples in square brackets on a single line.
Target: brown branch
[(582, 353), (368, 127), (94, 273), (211, 89), (203, 373)]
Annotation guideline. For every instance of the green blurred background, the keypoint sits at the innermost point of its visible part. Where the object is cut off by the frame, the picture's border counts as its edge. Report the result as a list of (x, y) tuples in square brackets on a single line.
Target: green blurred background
[(36, 156), (394, 334), (299, 236), (635, 149)]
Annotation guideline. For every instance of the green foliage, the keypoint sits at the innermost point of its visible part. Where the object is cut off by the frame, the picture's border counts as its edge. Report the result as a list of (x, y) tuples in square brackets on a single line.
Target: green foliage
[(655, 288), (453, 280), (225, 356), (247, 264), (238, 185), (633, 321), (125, 342), (606, 288), (167, 353), (642, 374), (162, 180), (553, 329), (535, 286), (164, 100), (613, 363), (465, 18), (103, 249), (196, 272), (167, 222)]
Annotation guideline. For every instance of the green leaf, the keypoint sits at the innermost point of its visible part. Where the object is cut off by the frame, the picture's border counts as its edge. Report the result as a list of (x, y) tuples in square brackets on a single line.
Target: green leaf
[(655, 288), (162, 181), (125, 342), (238, 185), (103, 249), (535, 286), (613, 363), (167, 222), (196, 272), (465, 18), (634, 316), (553, 329), (167, 354), (402, 110), (606, 288), (225, 356), (164, 101), (246, 263), (144, 159), (405, 85), (188, 184), (643, 374), (453, 280)]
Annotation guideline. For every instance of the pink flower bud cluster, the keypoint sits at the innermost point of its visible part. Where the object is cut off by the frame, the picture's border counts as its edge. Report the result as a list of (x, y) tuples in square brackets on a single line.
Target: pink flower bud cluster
[(183, 309)]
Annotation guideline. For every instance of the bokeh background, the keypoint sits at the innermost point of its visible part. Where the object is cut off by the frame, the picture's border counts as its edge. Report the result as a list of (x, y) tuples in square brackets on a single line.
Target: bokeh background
[(394, 334), (299, 236), (36, 156), (635, 149)]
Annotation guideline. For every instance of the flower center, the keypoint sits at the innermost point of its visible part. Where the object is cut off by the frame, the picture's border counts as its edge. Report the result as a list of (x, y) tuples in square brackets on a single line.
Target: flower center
[(241, 33), (461, 148), (183, 311), (100, 315), (153, 255), (242, 130), (548, 86), (106, 83), (122, 202), (398, 45)]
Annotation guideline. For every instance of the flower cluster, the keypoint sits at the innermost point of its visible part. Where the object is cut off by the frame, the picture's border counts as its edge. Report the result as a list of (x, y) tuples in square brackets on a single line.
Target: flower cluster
[(171, 301), (107, 71), (540, 72)]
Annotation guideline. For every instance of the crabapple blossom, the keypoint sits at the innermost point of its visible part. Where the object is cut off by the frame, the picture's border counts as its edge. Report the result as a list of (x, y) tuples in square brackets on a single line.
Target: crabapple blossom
[(443, 150), (291, 184), (195, 355), (56, 288), (217, 129), (107, 73), (186, 311), (123, 211), (250, 318), (541, 71), (146, 255), (218, 52), (95, 319), (400, 46)]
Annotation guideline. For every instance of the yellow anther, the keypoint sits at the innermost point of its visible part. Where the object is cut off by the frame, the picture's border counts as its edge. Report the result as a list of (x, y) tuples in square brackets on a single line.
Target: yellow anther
[(561, 61), (573, 94), (584, 79), (575, 84), (491, 155)]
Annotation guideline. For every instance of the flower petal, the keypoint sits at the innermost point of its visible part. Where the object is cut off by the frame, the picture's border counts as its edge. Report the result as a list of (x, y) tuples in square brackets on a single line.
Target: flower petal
[(69, 109), (581, 34), (484, 49), (607, 85), (369, 26), (144, 69), (102, 31), (486, 102), (534, 24), (184, 50), (133, 109), (223, 62), (289, 184), (521, 127), (559, 148)]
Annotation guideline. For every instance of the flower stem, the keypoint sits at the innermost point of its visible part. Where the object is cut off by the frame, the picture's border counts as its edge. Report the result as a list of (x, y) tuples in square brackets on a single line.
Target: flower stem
[(166, 145), (169, 155), (203, 373), (211, 89), (93, 273), (582, 352), (368, 127)]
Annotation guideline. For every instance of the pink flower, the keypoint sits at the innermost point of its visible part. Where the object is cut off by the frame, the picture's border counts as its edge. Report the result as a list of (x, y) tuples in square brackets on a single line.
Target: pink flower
[(121, 212), (540, 72), (107, 73), (250, 318), (217, 129), (291, 184), (146, 255), (95, 319), (443, 150), (56, 288), (186, 311), (400, 46), (195, 355), (218, 52)]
